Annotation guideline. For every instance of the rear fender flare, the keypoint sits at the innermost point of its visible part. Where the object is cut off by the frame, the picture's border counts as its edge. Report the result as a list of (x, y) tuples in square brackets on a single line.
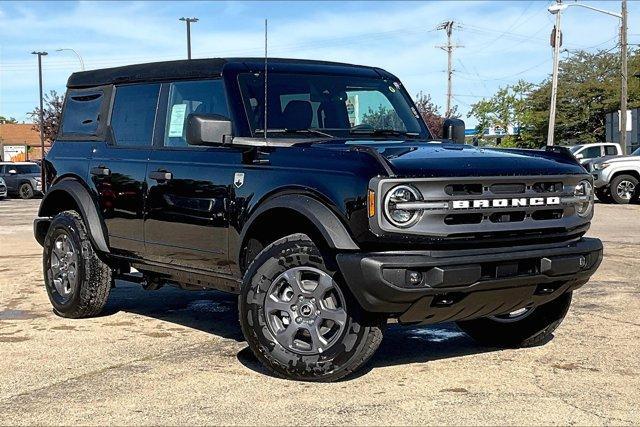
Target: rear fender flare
[(86, 208)]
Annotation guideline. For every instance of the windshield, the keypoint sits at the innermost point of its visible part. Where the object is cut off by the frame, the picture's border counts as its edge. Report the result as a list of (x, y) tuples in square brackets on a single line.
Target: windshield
[(330, 106), (637, 152)]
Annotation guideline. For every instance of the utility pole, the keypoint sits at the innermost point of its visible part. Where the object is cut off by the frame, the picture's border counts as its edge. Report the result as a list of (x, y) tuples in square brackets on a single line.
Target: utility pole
[(42, 177), (556, 40), (448, 27), (189, 21), (623, 77)]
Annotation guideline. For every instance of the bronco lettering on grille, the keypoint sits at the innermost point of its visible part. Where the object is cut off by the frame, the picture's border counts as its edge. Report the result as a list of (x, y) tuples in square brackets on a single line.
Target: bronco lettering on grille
[(505, 203)]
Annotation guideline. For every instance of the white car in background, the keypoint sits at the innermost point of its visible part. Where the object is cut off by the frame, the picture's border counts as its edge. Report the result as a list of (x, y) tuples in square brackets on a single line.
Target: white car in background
[(616, 178), (587, 152)]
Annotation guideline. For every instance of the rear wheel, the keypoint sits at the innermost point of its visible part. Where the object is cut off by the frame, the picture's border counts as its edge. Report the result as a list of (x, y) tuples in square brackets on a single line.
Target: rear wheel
[(25, 191), (624, 189), (526, 327), (298, 317), (77, 281)]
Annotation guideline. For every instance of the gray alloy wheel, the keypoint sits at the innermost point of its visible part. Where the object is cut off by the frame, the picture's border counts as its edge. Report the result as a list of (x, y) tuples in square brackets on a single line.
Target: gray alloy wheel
[(305, 310), (626, 189), (64, 266), (25, 191), (298, 316)]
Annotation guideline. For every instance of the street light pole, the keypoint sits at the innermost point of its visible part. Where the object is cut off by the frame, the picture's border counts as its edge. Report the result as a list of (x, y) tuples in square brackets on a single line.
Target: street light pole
[(41, 118), (77, 55), (557, 37), (623, 78), (556, 9), (189, 21)]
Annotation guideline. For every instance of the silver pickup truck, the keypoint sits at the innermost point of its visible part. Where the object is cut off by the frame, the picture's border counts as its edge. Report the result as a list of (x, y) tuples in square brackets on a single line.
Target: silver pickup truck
[(616, 178)]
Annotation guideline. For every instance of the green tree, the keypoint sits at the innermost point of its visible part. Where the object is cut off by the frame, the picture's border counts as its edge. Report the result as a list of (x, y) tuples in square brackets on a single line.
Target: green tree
[(430, 113), (7, 120), (588, 89), (507, 108)]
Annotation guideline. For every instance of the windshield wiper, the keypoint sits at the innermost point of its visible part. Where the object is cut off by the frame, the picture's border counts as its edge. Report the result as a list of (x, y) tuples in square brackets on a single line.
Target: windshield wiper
[(384, 132), (294, 131)]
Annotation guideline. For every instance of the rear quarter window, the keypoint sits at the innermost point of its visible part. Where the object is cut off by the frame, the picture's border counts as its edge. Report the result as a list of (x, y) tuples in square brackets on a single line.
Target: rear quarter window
[(83, 112)]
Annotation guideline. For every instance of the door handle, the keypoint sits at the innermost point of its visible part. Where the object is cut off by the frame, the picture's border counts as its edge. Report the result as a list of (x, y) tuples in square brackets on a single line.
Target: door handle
[(160, 175), (100, 171)]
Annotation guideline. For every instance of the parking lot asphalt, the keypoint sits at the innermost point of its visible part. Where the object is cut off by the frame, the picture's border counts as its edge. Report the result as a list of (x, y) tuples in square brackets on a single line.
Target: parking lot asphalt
[(178, 357)]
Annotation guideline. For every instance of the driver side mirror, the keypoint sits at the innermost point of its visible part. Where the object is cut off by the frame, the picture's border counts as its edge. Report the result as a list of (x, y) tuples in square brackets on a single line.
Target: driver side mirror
[(204, 129), (579, 156), (453, 129)]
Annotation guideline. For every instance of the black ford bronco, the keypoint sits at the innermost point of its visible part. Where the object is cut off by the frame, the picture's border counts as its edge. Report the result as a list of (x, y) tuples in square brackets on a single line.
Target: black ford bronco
[(321, 199)]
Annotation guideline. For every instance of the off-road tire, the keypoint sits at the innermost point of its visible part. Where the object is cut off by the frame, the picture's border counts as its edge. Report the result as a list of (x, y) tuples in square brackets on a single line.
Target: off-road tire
[(614, 185), (533, 330), (94, 277), (25, 191), (603, 195), (359, 340)]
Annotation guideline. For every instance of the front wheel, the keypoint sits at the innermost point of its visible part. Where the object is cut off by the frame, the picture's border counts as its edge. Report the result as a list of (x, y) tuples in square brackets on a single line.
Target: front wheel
[(299, 319), (623, 189), (527, 327)]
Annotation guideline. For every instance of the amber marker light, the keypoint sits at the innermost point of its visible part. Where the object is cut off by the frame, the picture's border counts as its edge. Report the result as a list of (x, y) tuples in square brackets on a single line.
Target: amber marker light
[(372, 203)]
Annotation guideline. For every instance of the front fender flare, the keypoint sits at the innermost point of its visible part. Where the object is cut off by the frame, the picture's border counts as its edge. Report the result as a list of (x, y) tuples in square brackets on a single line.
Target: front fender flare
[(328, 224), (86, 206)]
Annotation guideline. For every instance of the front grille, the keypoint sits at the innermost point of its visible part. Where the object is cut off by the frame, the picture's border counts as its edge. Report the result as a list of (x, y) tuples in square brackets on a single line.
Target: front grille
[(487, 206)]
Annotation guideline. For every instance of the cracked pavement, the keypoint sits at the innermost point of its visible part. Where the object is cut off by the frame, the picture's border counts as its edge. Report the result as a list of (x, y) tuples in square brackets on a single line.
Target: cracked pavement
[(178, 357)]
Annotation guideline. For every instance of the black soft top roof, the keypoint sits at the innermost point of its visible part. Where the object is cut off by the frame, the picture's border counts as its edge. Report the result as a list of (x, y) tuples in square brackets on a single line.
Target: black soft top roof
[(204, 68)]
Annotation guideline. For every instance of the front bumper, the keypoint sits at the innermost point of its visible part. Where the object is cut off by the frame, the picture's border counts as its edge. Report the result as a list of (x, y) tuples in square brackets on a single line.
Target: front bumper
[(466, 284)]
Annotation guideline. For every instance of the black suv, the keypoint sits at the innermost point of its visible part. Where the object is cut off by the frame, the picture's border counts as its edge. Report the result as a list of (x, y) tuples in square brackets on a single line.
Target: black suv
[(329, 212)]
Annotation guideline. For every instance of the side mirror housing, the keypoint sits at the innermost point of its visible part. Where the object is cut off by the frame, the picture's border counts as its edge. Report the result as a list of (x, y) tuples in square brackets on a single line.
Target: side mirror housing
[(579, 156), (204, 129), (453, 129)]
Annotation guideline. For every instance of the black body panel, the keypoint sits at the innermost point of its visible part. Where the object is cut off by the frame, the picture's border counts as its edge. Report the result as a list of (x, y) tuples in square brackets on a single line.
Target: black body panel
[(185, 213)]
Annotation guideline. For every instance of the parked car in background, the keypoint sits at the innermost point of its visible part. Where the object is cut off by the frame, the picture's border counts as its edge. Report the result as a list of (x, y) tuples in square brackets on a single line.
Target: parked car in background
[(616, 178), (587, 152), (22, 179), (3, 189)]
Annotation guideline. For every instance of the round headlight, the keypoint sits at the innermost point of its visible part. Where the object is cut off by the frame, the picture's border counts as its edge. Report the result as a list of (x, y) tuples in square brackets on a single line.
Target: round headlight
[(584, 194), (401, 217)]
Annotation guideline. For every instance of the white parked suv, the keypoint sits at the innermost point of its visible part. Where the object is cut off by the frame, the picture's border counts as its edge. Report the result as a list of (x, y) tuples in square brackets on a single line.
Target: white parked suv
[(616, 178), (587, 152)]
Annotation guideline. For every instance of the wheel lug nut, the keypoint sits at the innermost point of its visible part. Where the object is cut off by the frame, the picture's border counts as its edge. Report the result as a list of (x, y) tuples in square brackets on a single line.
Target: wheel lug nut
[(318, 312), (294, 307), (300, 298), (313, 300), (298, 319)]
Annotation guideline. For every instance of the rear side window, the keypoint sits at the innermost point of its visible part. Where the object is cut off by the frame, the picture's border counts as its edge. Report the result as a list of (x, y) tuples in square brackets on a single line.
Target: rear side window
[(610, 150), (82, 112), (133, 114)]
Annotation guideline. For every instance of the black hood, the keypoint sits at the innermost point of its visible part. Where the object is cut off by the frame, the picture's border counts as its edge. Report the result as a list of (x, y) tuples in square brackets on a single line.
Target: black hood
[(437, 159)]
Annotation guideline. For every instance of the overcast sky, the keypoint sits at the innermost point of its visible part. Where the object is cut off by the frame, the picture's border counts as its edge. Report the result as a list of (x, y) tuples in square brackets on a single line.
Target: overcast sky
[(502, 41)]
